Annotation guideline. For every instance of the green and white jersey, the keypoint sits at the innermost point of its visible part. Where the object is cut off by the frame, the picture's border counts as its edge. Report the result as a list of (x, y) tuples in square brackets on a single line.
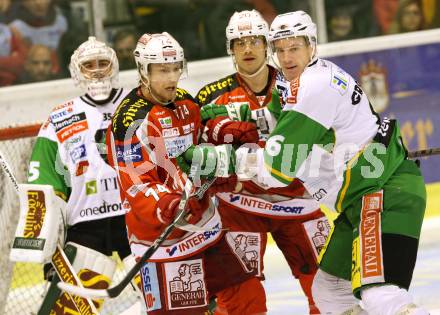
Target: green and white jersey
[(66, 156), (328, 136)]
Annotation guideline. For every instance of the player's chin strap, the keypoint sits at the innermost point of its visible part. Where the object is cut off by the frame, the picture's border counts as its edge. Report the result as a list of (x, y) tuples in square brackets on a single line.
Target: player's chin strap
[(117, 289)]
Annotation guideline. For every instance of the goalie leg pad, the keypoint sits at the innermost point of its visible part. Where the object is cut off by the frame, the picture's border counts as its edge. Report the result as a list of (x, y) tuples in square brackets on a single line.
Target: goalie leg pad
[(89, 259), (53, 293), (389, 300), (95, 270)]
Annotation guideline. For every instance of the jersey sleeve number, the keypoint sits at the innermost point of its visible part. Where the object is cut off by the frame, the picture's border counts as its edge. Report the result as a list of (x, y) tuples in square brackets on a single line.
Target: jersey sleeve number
[(34, 170), (154, 191)]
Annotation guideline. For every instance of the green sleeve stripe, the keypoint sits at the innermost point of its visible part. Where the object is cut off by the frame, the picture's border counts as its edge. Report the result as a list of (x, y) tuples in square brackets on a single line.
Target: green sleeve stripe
[(291, 142), (278, 175), (346, 182), (45, 154)]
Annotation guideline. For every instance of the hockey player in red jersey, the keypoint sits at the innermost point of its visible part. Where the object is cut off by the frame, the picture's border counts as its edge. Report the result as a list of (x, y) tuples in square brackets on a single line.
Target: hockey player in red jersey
[(297, 224), (153, 125)]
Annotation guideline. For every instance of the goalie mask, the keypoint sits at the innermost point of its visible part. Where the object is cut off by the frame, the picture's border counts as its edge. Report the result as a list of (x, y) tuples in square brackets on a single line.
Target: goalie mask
[(94, 68), (159, 49), (293, 24)]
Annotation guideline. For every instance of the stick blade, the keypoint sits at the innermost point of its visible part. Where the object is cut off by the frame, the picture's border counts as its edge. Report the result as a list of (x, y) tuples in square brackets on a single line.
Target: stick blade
[(84, 292)]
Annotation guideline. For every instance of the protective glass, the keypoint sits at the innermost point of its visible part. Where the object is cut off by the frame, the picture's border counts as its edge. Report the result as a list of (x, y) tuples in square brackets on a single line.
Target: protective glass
[(253, 42)]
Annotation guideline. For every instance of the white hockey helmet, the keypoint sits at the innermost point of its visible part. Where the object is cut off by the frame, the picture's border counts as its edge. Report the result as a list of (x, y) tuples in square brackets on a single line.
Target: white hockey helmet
[(97, 83), (293, 24), (158, 48), (245, 23)]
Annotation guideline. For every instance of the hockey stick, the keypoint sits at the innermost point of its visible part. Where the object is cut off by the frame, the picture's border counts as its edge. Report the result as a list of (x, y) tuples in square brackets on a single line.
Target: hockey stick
[(422, 153), (117, 289), (83, 305)]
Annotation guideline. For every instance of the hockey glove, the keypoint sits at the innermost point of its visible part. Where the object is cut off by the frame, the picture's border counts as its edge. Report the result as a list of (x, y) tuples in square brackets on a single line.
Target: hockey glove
[(206, 161), (235, 111), (223, 130), (168, 204)]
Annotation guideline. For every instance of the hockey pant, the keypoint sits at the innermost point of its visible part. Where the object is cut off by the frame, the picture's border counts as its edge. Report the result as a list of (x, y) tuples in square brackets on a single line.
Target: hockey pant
[(185, 287), (375, 240), (300, 240)]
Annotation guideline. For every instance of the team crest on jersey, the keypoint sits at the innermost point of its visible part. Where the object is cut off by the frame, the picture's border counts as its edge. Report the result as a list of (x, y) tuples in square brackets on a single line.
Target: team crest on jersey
[(317, 231), (246, 246), (185, 284), (373, 79), (339, 80)]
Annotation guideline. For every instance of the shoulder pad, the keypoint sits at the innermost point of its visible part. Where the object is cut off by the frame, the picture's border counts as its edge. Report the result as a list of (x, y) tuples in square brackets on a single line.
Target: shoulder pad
[(132, 109), (214, 89)]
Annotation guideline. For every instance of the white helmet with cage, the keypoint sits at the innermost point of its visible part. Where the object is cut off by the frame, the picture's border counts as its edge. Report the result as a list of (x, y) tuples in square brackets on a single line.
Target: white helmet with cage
[(94, 68), (245, 23), (158, 48)]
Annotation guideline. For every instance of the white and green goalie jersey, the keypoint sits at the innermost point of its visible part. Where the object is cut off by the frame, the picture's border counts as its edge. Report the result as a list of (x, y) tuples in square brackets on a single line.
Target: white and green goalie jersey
[(329, 137), (68, 156)]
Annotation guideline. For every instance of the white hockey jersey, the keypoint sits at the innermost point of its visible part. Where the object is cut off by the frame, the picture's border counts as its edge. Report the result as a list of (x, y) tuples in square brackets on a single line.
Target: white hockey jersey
[(329, 137), (67, 155)]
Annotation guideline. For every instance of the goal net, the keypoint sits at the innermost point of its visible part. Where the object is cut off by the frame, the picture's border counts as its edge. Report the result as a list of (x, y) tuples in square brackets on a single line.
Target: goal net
[(22, 287)]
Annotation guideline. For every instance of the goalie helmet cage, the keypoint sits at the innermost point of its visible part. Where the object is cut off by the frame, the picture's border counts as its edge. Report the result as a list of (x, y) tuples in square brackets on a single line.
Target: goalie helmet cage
[(22, 287)]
